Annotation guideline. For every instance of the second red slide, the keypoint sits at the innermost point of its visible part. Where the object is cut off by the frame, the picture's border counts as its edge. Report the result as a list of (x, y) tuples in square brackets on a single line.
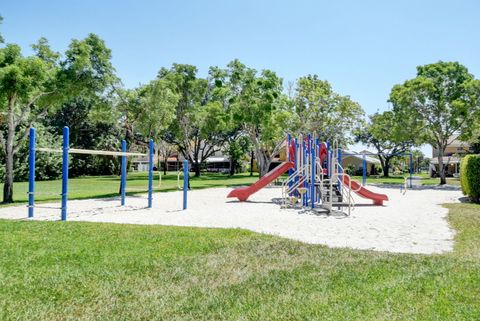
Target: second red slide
[(365, 193)]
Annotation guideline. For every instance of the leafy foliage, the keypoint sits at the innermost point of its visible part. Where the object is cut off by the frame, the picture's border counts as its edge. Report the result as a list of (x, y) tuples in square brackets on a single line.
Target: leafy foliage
[(391, 133), (446, 98), (257, 107), (33, 86), (470, 177), (200, 123), (321, 110)]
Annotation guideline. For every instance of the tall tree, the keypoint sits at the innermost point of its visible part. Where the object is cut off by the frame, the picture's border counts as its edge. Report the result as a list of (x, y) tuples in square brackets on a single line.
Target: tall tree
[(446, 97), (31, 86), (198, 128), (256, 103), (391, 133), (323, 111), (146, 112)]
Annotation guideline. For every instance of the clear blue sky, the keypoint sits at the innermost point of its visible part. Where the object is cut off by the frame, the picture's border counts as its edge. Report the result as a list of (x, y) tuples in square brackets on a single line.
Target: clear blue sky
[(362, 47)]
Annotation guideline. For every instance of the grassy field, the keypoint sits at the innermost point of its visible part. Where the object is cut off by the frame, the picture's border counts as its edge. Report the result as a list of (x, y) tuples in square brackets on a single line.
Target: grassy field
[(107, 186), (87, 271), (400, 179)]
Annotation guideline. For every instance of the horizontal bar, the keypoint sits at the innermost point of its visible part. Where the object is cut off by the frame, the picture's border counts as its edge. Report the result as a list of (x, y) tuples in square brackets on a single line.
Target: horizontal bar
[(89, 152), (48, 207)]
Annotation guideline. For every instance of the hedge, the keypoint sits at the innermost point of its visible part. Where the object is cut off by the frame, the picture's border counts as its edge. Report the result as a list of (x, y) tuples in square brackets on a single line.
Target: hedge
[(470, 177)]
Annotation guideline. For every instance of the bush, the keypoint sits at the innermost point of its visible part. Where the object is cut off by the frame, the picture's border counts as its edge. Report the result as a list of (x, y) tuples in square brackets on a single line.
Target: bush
[(470, 177)]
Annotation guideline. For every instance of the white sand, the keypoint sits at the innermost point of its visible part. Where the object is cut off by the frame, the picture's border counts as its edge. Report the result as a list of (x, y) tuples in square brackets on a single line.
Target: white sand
[(411, 223)]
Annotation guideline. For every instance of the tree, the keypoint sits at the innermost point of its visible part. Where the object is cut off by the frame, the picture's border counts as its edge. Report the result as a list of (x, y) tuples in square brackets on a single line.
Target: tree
[(146, 112), (91, 127), (198, 128), (391, 133), (30, 87), (324, 112), (237, 147), (255, 103), (446, 98), (165, 150)]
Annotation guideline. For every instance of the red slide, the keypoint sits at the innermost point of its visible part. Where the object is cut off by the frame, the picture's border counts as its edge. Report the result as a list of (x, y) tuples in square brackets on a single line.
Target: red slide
[(365, 193), (243, 193)]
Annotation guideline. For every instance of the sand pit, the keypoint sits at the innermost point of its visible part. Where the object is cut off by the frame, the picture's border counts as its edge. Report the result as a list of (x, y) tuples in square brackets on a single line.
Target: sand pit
[(410, 223)]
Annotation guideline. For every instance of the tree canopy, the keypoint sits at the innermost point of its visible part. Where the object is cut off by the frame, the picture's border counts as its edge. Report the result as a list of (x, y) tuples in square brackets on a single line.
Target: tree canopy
[(445, 97)]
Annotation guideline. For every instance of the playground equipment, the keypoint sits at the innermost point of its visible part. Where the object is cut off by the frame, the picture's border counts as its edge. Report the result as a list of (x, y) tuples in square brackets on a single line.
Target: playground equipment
[(67, 150), (316, 179)]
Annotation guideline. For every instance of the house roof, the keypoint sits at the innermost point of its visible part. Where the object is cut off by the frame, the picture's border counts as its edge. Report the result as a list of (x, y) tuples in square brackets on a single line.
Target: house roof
[(368, 159), (216, 159), (446, 160)]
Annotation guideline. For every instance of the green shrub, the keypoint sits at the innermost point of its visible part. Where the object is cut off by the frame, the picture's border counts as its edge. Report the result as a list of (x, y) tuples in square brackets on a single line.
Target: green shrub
[(470, 177)]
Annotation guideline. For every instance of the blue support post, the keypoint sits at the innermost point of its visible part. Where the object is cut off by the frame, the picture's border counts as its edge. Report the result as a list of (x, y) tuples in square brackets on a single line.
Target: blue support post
[(66, 143), (329, 156), (411, 169), (185, 183), (31, 173), (289, 144), (296, 160), (312, 182), (123, 178), (339, 169), (150, 173), (304, 158), (364, 170)]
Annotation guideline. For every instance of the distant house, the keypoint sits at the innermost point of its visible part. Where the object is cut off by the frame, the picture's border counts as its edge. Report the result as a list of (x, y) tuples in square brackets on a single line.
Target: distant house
[(354, 161), (215, 163), (451, 159)]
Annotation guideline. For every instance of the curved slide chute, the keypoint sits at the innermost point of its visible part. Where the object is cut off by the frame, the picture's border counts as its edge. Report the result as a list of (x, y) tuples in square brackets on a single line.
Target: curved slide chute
[(243, 193), (365, 193)]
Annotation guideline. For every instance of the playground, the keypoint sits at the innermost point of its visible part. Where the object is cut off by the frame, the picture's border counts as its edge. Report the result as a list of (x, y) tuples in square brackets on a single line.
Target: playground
[(239, 160), (394, 218), (410, 223)]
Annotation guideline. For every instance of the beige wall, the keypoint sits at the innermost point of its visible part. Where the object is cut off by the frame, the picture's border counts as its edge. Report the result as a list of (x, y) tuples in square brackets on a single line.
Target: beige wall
[(357, 162)]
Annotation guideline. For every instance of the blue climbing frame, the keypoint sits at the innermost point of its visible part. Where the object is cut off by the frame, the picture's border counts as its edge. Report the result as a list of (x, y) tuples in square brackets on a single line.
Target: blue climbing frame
[(65, 165)]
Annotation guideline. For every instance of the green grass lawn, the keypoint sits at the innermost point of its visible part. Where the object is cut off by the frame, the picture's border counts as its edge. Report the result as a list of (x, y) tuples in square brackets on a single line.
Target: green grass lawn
[(400, 179), (107, 186), (88, 271)]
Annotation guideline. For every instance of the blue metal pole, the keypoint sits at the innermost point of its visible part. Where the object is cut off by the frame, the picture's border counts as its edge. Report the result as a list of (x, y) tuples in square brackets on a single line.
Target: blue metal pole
[(31, 173), (411, 169), (296, 160), (312, 181), (66, 143), (305, 184), (150, 173), (329, 155), (339, 169), (123, 178), (364, 170), (289, 144), (185, 183)]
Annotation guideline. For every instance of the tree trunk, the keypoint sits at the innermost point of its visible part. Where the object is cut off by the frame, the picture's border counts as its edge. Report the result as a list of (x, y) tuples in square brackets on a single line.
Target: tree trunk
[(165, 167), (196, 168), (251, 163), (386, 169), (263, 162), (385, 162), (232, 167), (441, 167), (8, 184)]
